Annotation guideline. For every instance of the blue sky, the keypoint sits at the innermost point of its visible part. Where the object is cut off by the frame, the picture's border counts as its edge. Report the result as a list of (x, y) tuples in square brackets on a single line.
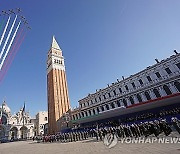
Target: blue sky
[(102, 40)]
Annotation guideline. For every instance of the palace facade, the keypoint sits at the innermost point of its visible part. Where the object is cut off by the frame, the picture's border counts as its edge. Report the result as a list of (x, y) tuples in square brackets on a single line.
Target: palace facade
[(156, 86)]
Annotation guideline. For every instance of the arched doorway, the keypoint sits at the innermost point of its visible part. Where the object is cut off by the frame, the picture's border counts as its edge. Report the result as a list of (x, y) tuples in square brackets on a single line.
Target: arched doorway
[(14, 132), (24, 132), (2, 131)]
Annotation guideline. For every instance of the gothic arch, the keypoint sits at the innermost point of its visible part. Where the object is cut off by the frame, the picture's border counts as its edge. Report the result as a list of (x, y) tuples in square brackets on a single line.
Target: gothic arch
[(14, 132), (24, 132)]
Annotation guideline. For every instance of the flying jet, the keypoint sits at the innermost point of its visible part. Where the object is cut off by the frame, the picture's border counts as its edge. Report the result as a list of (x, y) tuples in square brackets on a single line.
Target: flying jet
[(11, 11), (18, 10), (25, 22), (29, 27), (22, 17), (5, 13)]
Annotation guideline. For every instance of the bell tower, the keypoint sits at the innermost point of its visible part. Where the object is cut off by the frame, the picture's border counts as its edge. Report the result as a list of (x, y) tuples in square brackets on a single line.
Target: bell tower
[(57, 90)]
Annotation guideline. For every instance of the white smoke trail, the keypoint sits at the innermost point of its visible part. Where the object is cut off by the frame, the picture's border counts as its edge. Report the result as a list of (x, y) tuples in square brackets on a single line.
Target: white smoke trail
[(4, 30), (8, 37), (5, 55)]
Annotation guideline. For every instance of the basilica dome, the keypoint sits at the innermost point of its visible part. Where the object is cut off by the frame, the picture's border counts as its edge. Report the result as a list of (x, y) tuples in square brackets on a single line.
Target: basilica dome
[(5, 107)]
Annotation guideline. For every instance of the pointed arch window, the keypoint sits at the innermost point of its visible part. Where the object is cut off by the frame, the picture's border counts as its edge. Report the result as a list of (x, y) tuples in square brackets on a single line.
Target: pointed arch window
[(177, 85), (156, 92), (147, 95), (167, 90)]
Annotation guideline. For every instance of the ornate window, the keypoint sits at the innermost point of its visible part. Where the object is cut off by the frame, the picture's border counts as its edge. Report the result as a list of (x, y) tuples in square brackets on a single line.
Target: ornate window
[(112, 105), (120, 90), (167, 90), (156, 92), (125, 102), (168, 70), (158, 74), (177, 85), (118, 103), (149, 78), (139, 98), (147, 95), (131, 100), (140, 81), (107, 106)]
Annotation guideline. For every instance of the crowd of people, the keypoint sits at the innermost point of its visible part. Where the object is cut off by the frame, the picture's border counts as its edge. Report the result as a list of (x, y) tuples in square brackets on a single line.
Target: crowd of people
[(142, 129), (152, 115)]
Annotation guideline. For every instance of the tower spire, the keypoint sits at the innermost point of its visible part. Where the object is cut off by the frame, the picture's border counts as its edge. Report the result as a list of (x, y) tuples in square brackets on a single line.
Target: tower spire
[(54, 44)]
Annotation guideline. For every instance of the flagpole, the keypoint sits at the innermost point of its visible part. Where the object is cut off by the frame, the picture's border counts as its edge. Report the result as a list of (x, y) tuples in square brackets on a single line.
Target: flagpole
[(23, 120)]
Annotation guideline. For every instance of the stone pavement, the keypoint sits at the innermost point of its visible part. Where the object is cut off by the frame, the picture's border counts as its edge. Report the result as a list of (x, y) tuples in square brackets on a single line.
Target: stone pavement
[(88, 147)]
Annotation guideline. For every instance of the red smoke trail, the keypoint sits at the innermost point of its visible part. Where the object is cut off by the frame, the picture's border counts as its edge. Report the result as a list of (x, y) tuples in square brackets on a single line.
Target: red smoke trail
[(12, 54)]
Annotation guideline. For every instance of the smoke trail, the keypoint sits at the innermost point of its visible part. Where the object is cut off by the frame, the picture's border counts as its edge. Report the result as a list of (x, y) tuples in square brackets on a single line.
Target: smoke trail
[(9, 45), (15, 52), (4, 31), (10, 55), (8, 37)]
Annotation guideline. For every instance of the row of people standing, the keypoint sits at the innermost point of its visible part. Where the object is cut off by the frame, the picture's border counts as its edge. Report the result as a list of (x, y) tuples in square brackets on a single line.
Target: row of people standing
[(143, 129)]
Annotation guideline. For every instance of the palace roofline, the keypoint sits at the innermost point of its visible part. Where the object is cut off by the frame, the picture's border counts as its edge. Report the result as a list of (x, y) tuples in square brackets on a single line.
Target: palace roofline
[(131, 76)]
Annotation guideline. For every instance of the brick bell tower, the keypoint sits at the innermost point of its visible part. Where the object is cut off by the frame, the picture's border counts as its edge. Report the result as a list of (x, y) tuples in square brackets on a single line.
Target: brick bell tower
[(57, 90)]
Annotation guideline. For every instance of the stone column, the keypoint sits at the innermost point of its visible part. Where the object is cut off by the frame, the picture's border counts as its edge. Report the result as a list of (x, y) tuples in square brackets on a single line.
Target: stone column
[(162, 92), (143, 97)]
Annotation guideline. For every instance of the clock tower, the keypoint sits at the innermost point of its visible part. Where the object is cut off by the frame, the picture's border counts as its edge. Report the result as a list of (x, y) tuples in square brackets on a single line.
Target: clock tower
[(57, 90)]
